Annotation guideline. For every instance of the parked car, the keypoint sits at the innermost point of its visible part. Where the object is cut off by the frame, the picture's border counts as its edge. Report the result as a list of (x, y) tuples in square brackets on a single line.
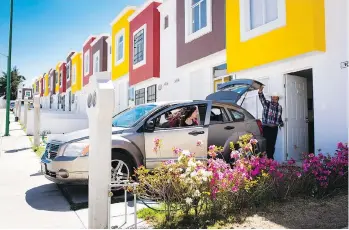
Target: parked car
[(218, 120)]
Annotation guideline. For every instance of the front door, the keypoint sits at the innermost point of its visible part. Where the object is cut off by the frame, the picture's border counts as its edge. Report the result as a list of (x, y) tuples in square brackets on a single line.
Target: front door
[(182, 137), (69, 105), (296, 114)]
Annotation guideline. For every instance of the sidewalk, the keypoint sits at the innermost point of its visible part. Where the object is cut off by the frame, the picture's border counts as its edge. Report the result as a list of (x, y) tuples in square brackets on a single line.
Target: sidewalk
[(27, 199)]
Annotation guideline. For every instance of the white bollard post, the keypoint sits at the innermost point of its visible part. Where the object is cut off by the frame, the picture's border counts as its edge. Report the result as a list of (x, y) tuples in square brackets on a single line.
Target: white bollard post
[(25, 112), (16, 110), (19, 109), (100, 104), (36, 120)]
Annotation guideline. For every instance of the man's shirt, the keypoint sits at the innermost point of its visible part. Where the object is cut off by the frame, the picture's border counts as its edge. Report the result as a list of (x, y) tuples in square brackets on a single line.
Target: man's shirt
[(272, 112)]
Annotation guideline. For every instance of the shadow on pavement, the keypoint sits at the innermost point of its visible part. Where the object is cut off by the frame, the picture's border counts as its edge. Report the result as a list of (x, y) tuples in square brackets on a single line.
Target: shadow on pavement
[(16, 150), (47, 197), (36, 174)]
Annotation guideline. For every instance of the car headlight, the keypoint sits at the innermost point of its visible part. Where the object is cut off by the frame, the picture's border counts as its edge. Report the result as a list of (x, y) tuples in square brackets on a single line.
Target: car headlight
[(75, 149)]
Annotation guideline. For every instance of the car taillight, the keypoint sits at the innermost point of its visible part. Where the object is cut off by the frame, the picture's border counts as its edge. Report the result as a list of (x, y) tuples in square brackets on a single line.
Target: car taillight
[(259, 123)]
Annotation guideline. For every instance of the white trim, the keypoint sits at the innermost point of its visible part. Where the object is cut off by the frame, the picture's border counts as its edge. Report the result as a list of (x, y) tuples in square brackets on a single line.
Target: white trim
[(143, 7), (73, 74), (99, 38), (88, 39), (245, 21), (87, 55), (116, 50), (122, 13), (96, 54), (144, 61), (189, 36)]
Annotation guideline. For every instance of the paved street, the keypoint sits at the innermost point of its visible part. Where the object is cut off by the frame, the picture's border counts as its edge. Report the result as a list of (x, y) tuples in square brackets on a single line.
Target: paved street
[(28, 200)]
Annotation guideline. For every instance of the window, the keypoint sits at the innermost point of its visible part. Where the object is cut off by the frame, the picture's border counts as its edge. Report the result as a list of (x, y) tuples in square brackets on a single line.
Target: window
[(74, 74), (236, 115), (151, 93), (119, 47), (175, 118), (68, 71), (96, 62), (56, 78), (28, 94), (140, 96), (131, 116), (166, 22), (198, 18), (218, 115), (60, 79), (139, 47), (261, 16), (87, 62)]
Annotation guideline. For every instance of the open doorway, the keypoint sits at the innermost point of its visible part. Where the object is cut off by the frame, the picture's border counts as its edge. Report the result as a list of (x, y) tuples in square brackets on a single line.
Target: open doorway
[(299, 113)]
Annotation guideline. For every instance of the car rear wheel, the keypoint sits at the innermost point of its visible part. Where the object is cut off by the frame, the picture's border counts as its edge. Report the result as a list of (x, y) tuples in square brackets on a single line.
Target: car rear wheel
[(121, 168)]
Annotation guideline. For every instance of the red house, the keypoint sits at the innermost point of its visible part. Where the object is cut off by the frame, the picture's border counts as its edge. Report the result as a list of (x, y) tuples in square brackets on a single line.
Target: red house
[(62, 78), (145, 43), (42, 86), (87, 70)]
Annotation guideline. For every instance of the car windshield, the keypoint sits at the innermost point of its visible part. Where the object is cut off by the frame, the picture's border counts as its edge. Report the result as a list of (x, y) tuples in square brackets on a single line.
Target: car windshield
[(130, 117)]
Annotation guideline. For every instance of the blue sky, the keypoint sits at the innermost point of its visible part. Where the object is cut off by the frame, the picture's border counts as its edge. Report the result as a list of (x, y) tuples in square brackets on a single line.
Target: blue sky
[(44, 31)]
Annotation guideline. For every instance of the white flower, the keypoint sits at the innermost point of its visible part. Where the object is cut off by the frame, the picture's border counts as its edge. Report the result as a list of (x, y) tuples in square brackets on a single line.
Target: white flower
[(182, 176), (170, 170), (186, 152), (180, 170), (191, 163), (188, 200), (204, 179), (197, 193), (193, 174)]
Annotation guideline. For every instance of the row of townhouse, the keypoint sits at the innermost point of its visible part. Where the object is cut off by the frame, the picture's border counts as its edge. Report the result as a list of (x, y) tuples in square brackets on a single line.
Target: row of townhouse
[(183, 49)]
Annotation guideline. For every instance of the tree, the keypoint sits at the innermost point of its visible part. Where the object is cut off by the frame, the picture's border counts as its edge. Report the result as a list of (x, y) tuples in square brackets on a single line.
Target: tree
[(16, 80)]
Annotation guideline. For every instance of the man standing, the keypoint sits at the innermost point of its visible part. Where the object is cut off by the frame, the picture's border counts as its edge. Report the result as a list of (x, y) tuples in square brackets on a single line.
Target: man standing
[(271, 119)]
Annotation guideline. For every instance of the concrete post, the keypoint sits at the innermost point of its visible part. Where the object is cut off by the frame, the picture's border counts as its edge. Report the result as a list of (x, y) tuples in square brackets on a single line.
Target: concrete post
[(19, 109), (16, 109), (36, 120), (25, 111), (100, 104)]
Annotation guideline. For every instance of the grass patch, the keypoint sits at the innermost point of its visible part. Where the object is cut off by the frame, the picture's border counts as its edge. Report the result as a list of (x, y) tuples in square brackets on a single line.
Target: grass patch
[(296, 213), (38, 150)]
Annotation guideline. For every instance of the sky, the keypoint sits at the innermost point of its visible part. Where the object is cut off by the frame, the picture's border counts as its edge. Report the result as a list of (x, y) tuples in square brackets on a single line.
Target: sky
[(44, 31)]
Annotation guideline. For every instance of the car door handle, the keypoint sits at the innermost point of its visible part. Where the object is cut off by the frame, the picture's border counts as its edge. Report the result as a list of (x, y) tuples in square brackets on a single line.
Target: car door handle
[(195, 133), (229, 127)]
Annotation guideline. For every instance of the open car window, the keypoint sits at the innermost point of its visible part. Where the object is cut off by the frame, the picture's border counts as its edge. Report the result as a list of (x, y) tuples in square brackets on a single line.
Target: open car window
[(175, 118)]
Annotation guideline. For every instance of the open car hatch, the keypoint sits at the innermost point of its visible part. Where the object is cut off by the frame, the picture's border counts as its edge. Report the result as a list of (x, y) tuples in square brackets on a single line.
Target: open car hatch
[(233, 90)]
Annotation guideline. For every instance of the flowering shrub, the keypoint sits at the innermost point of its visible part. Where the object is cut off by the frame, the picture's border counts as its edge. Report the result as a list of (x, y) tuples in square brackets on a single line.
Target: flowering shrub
[(217, 187)]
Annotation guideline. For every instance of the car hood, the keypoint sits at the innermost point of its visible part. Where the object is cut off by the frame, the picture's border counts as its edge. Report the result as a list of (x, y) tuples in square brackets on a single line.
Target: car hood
[(77, 135), (232, 91)]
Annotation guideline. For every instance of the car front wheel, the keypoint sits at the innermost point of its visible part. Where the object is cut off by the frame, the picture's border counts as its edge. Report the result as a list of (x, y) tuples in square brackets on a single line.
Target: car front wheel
[(121, 169)]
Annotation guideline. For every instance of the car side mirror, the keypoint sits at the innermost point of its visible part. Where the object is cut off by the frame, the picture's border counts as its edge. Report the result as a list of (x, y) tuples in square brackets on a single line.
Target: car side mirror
[(150, 126)]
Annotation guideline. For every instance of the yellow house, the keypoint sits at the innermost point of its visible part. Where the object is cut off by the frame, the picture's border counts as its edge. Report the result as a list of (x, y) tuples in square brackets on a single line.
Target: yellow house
[(76, 72), (121, 30), (46, 89), (57, 78), (291, 28)]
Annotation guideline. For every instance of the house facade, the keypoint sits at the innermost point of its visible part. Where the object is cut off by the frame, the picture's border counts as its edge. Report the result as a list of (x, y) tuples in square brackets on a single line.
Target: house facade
[(192, 45), (120, 37), (296, 49), (76, 81), (62, 79), (144, 58), (69, 94)]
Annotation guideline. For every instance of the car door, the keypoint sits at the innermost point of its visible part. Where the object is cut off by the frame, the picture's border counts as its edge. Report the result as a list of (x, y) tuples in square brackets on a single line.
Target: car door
[(185, 138), (220, 128)]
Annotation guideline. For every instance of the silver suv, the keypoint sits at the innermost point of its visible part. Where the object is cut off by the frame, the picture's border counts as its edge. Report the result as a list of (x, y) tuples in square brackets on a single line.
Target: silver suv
[(192, 125)]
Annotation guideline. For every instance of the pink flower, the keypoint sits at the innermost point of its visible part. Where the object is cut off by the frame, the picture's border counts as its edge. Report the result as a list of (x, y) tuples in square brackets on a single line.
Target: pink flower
[(253, 141), (212, 148), (176, 151), (199, 143), (291, 161), (298, 174)]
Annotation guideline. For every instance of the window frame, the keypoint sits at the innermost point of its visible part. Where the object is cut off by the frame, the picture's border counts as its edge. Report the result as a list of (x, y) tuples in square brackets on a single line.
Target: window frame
[(120, 33), (96, 67), (246, 33), (233, 117), (189, 35), (166, 22), (224, 112), (60, 80), (137, 93), (143, 62), (152, 87), (87, 63)]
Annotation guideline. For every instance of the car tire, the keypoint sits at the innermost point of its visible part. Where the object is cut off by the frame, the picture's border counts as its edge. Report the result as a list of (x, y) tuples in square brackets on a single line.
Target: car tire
[(122, 167)]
